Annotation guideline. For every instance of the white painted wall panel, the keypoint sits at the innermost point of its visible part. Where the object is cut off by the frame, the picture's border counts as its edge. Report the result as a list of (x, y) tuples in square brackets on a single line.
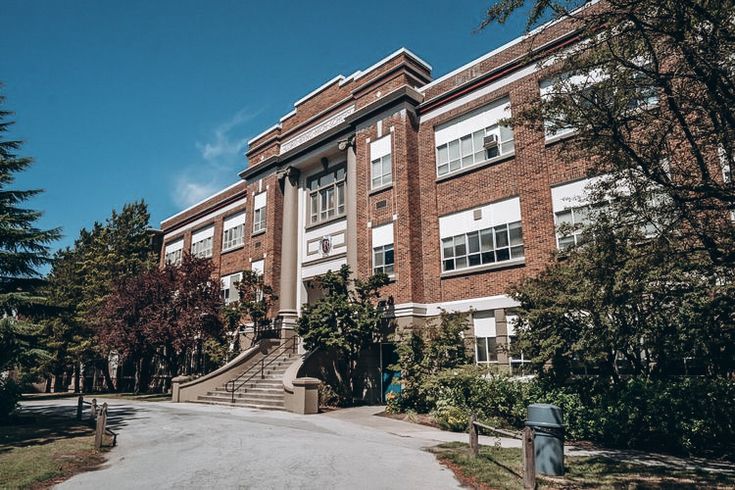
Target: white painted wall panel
[(383, 235), (481, 118), (571, 195), (381, 147), (258, 266), (202, 234), (174, 246), (234, 220), (484, 323), (507, 211), (259, 200), (322, 267)]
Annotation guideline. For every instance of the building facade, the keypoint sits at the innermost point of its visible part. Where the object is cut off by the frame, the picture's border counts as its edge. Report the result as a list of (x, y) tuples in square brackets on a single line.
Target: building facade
[(390, 170)]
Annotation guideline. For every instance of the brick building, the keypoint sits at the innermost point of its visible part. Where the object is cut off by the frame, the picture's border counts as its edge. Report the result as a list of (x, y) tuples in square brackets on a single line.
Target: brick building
[(388, 169)]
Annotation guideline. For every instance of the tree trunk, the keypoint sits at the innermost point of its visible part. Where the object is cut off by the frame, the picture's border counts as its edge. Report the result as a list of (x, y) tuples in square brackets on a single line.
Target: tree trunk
[(77, 377), (138, 374)]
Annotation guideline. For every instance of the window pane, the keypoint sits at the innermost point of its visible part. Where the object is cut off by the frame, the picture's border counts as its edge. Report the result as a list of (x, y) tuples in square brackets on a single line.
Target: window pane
[(492, 349), (481, 349), (467, 161), (389, 254), (516, 234), (486, 239), (466, 145), (461, 262), (502, 254), (442, 156), (387, 166), (516, 252), (473, 242), (454, 150), (564, 217), (448, 246), (389, 269), (501, 236), (378, 257), (443, 169), (376, 169), (474, 260), (460, 245), (449, 265), (478, 138), (488, 257), (506, 133), (340, 173)]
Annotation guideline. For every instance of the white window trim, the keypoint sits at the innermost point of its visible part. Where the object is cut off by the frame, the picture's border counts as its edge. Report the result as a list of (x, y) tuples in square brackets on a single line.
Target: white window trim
[(260, 206)]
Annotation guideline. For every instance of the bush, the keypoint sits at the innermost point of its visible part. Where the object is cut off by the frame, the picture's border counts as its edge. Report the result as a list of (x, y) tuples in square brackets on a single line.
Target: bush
[(683, 414), (9, 396), (450, 417)]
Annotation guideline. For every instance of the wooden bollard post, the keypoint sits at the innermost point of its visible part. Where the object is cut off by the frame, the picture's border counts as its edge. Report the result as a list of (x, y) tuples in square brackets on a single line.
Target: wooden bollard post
[(474, 442), (529, 459), (101, 422), (80, 405)]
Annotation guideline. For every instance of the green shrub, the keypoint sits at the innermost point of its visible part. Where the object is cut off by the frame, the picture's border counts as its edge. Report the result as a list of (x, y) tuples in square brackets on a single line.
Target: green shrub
[(450, 417), (682, 414)]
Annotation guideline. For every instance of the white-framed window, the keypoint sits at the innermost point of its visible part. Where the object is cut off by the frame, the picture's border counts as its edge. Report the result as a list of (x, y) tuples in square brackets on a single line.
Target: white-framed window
[(517, 357), (201, 242), (486, 347), (581, 87), (228, 287), (233, 231), (173, 252), (483, 236), (381, 165), (326, 195), (474, 138), (258, 266), (259, 208), (573, 211), (383, 253)]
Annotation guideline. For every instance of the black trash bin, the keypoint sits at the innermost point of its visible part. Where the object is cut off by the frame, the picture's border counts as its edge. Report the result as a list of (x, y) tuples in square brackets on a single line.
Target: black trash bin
[(547, 422)]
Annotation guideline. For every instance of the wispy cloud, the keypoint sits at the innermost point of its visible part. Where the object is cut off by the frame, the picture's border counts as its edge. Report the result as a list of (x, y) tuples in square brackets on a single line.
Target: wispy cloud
[(220, 158)]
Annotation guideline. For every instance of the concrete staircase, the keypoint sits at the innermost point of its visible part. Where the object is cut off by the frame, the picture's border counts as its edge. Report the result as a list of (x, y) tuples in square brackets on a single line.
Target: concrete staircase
[(265, 393)]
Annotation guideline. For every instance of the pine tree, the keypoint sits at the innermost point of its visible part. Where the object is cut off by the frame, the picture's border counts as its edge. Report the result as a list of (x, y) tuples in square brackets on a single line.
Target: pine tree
[(23, 248)]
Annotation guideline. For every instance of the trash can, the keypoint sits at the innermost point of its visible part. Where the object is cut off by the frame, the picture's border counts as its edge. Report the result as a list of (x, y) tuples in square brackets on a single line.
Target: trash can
[(547, 422)]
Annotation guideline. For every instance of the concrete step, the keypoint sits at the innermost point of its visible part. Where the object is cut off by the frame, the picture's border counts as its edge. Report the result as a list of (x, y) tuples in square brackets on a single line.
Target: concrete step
[(242, 394), (245, 405), (241, 401)]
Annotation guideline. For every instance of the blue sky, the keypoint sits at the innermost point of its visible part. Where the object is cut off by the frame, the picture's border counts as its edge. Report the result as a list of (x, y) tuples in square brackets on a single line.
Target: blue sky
[(118, 101)]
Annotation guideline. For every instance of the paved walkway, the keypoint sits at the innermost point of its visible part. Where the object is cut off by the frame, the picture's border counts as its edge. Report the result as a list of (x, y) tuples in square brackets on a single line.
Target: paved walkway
[(180, 445)]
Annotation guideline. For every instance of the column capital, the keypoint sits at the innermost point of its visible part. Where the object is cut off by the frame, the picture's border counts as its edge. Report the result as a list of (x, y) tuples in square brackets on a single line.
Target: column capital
[(291, 173)]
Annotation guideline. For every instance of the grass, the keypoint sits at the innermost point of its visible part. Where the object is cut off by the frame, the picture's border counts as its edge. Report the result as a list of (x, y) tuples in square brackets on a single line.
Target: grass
[(500, 468), (39, 450)]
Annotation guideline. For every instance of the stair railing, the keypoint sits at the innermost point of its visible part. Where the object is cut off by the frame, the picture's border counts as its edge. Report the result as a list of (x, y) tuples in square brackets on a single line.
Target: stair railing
[(288, 346)]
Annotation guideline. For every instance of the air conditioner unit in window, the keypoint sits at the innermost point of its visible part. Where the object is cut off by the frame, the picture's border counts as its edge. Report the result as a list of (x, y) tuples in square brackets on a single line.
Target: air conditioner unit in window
[(490, 141)]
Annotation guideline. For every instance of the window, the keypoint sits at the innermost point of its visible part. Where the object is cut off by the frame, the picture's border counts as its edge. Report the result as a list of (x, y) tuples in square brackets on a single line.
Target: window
[(475, 138), (233, 231), (259, 208), (381, 162), (327, 195), (173, 252), (584, 91), (486, 349), (228, 287), (497, 244), (383, 259), (573, 211), (516, 357), (571, 222), (482, 236), (201, 242)]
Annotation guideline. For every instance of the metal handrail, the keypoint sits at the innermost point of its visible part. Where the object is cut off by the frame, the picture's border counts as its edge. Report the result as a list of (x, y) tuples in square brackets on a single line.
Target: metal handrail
[(289, 344)]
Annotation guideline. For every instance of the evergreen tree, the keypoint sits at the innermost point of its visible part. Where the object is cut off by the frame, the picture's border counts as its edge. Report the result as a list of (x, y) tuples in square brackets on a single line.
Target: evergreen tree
[(23, 248)]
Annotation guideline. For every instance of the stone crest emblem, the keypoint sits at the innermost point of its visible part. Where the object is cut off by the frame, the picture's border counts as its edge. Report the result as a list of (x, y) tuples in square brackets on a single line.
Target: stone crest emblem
[(326, 244)]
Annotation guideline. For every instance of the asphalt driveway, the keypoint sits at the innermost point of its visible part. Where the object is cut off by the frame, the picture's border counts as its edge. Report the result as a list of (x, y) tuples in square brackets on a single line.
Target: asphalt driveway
[(179, 445)]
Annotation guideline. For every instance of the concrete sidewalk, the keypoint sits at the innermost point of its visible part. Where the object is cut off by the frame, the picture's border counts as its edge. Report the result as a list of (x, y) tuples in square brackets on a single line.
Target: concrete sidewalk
[(184, 445), (367, 417)]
